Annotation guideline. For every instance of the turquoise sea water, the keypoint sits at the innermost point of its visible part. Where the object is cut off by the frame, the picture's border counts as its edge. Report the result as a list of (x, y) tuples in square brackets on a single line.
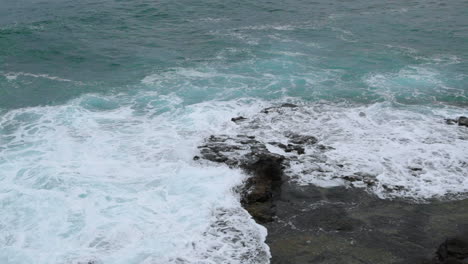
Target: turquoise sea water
[(414, 52), (102, 105)]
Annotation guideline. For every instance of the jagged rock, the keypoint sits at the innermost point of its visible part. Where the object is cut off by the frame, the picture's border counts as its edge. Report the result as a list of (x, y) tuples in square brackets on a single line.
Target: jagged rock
[(264, 186), (449, 121), (238, 119), (288, 105), (310, 224), (265, 170)]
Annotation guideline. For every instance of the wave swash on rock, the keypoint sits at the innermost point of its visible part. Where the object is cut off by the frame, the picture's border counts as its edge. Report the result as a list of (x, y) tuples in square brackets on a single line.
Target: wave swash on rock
[(311, 224)]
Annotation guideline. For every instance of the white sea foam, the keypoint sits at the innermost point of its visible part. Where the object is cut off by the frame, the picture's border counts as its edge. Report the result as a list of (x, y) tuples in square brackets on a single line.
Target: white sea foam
[(89, 181), (118, 185), (408, 152)]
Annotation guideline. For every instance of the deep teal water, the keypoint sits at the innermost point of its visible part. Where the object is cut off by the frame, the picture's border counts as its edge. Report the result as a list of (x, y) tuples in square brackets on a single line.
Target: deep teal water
[(310, 50)]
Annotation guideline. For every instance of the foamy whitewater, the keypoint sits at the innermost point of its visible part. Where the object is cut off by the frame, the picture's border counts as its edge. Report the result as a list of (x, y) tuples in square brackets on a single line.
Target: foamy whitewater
[(119, 186), (103, 105)]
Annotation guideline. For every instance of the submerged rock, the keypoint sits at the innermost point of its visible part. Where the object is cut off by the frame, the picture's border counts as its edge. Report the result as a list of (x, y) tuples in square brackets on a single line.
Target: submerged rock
[(276, 108)]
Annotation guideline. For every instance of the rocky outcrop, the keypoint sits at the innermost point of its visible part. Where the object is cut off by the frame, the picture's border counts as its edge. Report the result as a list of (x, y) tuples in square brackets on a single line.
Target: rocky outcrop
[(264, 167), (263, 187), (461, 121), (310, 224)]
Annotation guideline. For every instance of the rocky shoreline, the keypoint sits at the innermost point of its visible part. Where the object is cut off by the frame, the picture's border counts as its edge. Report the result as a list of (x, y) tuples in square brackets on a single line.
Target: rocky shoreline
[(310, 224)]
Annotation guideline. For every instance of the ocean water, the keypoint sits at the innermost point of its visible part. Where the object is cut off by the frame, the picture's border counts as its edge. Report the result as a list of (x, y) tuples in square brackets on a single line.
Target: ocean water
[(103, 104)]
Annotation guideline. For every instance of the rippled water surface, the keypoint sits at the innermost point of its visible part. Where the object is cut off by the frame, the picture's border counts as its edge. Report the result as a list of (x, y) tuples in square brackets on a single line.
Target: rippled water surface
[(102, 105)]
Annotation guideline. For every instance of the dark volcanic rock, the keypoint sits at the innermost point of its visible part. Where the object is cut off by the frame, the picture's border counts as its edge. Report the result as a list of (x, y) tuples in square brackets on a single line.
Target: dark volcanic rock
[(265, 170), (238, 119), (264, 186), (288, 105), (463, 121), (449, 121), (349, 225), (310, 224)]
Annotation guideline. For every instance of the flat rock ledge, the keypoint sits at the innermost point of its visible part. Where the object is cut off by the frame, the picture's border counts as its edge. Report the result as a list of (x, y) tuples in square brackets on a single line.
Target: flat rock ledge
[(310, 224)]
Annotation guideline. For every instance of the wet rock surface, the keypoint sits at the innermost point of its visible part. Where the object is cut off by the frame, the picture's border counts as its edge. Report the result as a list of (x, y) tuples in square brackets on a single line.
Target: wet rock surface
[(238, 119), (349, 225), (461, 121), (310, 224), (264, 167)]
